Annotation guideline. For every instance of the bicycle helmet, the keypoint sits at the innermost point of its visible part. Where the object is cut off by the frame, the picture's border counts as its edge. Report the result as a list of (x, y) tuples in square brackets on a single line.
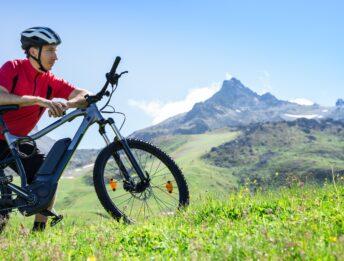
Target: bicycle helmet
[(37, 37)]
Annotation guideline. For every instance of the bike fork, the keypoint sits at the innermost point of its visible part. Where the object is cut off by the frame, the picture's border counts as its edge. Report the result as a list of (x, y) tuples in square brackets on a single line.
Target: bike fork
[(129, 154)]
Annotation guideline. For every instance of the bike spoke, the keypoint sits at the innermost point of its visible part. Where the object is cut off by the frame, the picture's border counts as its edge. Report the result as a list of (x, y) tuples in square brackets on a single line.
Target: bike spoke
[(144, 209), (138, 158), (149, 209), (132, 205), (138, 215), (163, 202), (158, 203), (159, 171), (156, 168), (123, 201), (153, 177), (120, 195), (151, 166), (144, 167)]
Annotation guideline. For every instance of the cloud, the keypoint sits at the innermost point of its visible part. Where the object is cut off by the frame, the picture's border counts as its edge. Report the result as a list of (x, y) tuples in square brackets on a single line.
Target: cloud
[(302, 101), (161, 111), (228, 76), (265, 81)]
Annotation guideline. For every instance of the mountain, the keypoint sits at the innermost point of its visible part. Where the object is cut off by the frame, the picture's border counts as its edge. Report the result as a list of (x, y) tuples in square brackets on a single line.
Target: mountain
[(233, 105), (338, 112), (274, 153)]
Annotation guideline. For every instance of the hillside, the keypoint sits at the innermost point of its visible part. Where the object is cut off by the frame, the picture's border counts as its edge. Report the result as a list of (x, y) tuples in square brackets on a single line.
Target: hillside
[(274, 153), (297, 223), (223, 221)]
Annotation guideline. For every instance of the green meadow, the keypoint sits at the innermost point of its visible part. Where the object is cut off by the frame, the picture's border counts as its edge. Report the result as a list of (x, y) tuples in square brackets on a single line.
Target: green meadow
[(224, 220)]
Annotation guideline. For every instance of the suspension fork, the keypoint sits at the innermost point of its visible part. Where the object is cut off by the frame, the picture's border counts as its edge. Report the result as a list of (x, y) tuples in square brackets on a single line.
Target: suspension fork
[(125, 146)]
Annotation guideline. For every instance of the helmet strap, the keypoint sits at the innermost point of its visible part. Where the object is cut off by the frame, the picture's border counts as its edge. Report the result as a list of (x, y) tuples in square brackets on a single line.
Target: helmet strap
[(38, 60)]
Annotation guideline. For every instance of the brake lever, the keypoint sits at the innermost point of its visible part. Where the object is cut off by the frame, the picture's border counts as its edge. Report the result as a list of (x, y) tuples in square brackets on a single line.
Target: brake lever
[(123, 73), (113, 78)]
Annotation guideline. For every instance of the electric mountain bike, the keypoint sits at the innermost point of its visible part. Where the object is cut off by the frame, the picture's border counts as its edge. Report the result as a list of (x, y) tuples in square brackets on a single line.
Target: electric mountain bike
[(133, 179)]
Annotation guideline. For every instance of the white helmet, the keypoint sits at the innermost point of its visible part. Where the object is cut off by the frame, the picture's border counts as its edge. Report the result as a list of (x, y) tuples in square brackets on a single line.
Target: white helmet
[(37, 37)]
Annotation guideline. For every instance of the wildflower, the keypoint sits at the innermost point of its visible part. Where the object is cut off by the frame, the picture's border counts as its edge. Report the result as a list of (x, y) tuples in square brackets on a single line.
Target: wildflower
[(333, 239)]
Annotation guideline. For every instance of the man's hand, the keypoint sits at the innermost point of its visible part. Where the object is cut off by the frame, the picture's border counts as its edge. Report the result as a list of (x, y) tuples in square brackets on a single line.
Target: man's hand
[(77, 103), (56, 109), (77, 99)]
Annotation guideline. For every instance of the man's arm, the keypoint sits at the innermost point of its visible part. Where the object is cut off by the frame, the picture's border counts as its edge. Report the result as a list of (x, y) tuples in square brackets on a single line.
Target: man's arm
[(7, 98), (56, 109), (77, 99)]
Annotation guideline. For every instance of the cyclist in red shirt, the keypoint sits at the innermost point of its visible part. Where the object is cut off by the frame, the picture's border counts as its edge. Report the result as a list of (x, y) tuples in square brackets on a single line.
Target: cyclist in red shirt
[(30, 84)]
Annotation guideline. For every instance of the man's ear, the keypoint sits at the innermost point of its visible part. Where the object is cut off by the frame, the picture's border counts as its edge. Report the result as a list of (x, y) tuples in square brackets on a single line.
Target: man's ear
[(33, 51)]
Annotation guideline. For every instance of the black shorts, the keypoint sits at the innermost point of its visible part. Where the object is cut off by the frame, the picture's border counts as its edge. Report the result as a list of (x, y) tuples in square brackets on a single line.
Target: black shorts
[(31, 165)]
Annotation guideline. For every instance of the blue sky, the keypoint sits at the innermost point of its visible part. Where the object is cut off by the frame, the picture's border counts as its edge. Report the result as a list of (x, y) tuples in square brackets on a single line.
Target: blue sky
[(179, 52)]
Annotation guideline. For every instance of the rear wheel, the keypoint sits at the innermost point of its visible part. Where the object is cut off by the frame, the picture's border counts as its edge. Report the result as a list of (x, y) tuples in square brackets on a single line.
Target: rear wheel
[(166, 192), (5, 195)]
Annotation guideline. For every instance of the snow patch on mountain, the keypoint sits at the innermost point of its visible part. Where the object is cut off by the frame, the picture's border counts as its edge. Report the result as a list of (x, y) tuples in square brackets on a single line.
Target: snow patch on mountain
[(302, 101), (307, 116)]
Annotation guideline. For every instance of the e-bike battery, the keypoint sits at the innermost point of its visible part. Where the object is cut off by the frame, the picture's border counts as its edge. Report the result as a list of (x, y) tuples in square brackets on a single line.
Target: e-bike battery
[(42, 187)]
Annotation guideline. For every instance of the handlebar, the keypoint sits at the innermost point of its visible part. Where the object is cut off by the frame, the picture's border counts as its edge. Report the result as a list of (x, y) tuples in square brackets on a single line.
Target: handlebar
[(111, 78), (115, 65)]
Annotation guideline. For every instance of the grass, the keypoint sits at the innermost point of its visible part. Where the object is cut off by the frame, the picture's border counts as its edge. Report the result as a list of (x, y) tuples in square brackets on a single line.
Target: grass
[(200, 175), (294, 223)]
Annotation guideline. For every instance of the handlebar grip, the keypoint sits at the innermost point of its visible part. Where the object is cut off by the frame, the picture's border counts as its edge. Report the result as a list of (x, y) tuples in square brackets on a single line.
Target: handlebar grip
[(115, 65)]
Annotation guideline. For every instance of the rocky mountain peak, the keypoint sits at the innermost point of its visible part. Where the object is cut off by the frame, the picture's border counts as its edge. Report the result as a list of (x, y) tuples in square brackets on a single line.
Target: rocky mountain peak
[(233, 94), (340, 103), (270, 99)]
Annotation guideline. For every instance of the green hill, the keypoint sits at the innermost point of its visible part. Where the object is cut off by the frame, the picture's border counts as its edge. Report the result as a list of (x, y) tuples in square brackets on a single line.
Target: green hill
[(276, 153)]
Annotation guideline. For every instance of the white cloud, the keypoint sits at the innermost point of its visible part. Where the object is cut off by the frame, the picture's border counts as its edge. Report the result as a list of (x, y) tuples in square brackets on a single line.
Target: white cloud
[(302, 101), (228, 76), (161, 111), (265, 81)]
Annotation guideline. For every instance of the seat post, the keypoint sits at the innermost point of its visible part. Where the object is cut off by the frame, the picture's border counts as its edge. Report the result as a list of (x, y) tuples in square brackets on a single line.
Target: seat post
[(4, 128), (21, 171)]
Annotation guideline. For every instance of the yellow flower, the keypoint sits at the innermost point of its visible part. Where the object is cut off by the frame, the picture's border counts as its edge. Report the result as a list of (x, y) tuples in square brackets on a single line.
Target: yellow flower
[(333, 239), (91, 258)]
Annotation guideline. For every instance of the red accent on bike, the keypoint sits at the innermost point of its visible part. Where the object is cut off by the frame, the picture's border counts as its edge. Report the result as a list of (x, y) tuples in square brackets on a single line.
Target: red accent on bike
[(113, 184), (169, 186)]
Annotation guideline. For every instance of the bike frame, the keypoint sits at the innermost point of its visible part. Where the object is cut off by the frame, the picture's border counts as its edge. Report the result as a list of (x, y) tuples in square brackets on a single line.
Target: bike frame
[(91, 115)]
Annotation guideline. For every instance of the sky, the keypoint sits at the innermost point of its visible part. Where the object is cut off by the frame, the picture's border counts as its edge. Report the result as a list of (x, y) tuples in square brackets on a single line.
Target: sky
[(179, 52)]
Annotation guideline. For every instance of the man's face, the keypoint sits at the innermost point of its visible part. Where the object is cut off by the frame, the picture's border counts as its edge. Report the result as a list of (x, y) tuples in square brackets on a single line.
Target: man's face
[(48, 55)]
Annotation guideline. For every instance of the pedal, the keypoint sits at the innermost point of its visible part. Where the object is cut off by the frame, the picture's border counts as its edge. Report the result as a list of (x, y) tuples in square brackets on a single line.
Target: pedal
[(56, 220), (51, 213), (4, 180)]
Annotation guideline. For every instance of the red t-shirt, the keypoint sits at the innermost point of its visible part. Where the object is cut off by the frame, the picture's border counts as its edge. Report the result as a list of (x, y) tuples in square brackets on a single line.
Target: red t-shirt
[(19, 77)]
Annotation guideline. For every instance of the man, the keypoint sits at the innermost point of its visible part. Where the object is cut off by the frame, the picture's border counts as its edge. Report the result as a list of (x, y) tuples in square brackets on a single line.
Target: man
[(30, 84)]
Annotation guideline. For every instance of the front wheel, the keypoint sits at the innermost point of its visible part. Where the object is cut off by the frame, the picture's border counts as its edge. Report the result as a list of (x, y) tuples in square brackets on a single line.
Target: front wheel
[(166, 192)]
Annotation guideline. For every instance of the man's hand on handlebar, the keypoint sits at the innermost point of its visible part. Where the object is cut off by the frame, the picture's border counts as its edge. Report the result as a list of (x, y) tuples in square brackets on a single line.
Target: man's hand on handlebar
[(55, 109)]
